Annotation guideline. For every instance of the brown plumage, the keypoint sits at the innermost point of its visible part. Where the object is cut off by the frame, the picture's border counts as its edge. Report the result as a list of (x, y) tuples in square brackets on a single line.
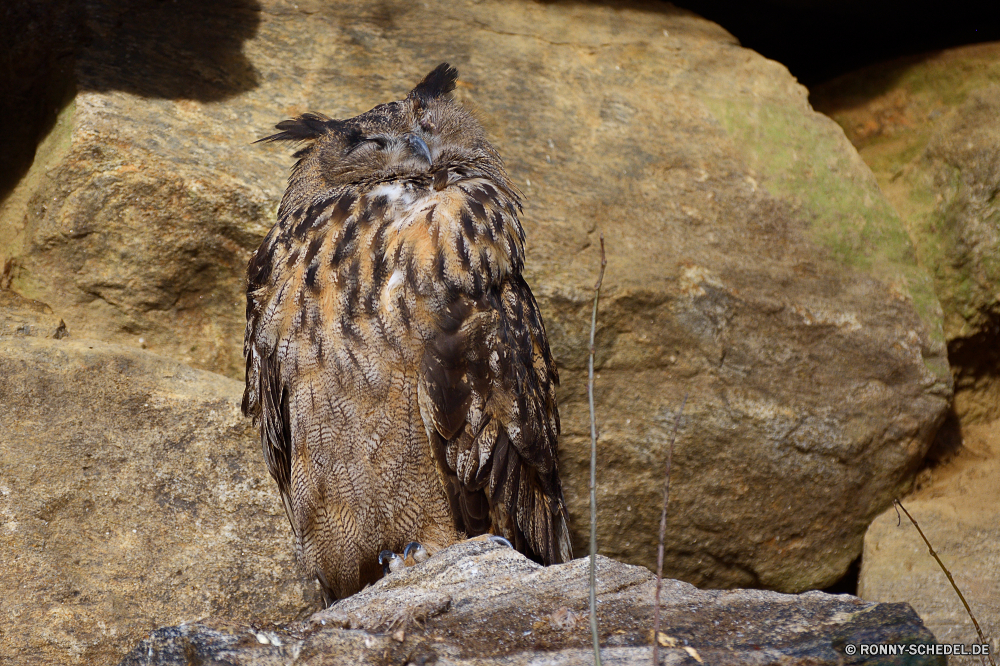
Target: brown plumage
[(397, 364)]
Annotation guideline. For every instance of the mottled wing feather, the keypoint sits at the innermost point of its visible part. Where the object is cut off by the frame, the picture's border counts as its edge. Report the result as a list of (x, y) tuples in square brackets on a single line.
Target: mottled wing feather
[(265, 398), (488, 396)]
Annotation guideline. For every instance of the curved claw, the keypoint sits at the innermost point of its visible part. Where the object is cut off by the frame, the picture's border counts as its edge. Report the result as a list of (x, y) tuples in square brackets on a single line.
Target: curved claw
[(420, 553), (499, 539), (390, 562)]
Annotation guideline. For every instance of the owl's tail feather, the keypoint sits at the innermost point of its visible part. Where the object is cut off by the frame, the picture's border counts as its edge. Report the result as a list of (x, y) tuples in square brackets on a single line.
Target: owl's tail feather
[(564, 546), (551, 529), (533, 517)]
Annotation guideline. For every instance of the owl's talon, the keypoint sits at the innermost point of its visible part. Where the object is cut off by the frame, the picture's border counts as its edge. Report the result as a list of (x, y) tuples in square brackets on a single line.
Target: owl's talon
[(418, 551), (390, 561), (499, 539), (494, 538)]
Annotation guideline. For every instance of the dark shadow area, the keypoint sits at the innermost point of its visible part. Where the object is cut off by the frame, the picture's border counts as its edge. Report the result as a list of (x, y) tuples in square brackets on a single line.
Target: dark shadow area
[(851, 92), (946, 444), (36, 78), (975, 363), (818, 40), (175, 49), (977, 358), (848, 583)]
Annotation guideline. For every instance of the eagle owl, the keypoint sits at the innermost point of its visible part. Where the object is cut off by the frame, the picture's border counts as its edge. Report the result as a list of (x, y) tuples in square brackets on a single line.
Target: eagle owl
[(396, 361)]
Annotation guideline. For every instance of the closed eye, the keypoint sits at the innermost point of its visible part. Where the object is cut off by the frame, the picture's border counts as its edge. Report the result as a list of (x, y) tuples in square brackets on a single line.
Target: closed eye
[(379, 142)]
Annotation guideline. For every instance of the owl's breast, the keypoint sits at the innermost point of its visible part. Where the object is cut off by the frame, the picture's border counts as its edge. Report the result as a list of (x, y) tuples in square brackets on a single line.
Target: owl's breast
[(361, 274), (462, 238)]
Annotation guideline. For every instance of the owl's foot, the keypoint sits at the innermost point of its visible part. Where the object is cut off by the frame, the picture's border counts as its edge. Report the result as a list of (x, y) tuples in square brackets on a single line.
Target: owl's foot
[(492, 537), (391, 562), (415, 553)]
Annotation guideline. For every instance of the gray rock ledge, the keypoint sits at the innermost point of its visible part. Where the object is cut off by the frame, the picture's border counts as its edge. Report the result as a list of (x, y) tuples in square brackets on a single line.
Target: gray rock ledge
[(478, 603)]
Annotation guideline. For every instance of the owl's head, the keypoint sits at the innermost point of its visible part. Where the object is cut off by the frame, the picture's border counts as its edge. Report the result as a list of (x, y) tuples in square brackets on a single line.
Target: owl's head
[(426, 137)]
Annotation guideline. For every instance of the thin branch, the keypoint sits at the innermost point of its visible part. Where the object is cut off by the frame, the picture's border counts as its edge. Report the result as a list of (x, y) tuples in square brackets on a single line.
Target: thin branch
[(982, 639), (663, 532), (593, 467)]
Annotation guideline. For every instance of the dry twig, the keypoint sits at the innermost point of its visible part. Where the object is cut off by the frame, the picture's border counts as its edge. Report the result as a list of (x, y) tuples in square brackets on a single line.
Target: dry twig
[(663, 532), (982, 639), (593, 466)]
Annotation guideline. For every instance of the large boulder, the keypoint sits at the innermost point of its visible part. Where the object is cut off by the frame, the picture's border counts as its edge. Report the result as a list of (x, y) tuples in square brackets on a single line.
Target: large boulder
[(927, 126), (131, 496), (481, 604), (753, 263)]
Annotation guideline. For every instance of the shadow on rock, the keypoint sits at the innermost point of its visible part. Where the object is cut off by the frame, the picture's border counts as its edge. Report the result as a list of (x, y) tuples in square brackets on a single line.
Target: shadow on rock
[(174, 49)]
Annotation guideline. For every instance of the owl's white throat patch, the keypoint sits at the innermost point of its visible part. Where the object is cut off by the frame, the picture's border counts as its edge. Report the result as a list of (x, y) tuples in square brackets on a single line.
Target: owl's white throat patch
[(397, 193)]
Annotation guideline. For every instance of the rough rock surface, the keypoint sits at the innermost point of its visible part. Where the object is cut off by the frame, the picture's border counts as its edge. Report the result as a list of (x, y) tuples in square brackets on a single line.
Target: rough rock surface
[(753, 262), (927, 126), (479, 603), (132, 495), (956, 508), (22, 317)]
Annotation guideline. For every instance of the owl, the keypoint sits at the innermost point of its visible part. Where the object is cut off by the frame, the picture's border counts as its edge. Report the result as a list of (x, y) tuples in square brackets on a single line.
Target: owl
[(396, 361)]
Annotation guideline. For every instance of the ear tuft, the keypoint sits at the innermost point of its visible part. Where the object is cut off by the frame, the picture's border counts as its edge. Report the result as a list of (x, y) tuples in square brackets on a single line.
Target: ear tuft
[(306, 127), (438, 83)]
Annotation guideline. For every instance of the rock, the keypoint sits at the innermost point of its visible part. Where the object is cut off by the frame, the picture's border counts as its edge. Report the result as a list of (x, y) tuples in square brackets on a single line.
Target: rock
[(480, 603), (20, 316), (927, 127), (132, 495), (39, 38), (956, 508), (753, 262)]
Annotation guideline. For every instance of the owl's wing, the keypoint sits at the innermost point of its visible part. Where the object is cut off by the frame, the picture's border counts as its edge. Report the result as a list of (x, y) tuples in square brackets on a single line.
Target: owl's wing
[(487, 398), (265, 398)]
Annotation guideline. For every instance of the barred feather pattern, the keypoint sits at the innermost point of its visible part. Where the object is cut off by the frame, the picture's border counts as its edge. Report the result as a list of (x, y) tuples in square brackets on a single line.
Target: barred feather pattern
[(397, 364)]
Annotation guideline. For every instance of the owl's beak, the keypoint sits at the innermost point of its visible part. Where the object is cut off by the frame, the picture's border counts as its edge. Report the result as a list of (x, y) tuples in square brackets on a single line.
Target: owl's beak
[(419, 148)]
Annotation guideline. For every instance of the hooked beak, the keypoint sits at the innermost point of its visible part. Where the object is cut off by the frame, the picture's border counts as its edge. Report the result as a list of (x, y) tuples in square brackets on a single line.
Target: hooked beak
[(419, 148)]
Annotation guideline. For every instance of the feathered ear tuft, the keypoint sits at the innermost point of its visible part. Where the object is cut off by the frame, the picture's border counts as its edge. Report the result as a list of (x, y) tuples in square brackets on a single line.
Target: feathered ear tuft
[(438, 83), (306, 127)]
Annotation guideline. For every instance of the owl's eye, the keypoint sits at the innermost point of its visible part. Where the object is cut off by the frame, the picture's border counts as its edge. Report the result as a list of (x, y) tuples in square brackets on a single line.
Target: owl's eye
[(379, 142)]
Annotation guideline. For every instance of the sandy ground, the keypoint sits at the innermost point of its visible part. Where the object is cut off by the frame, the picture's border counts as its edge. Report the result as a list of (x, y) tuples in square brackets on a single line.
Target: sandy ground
[(957, 505)]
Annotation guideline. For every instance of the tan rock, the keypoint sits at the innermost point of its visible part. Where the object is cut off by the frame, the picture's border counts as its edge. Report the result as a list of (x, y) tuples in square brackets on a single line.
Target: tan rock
[(132, 495), (22, 317), (927, 127), (753, 262), (956, 508), (478, 604)]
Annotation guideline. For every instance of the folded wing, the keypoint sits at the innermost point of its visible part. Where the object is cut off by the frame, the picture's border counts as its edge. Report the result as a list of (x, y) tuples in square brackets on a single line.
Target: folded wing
[(487, 399)]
